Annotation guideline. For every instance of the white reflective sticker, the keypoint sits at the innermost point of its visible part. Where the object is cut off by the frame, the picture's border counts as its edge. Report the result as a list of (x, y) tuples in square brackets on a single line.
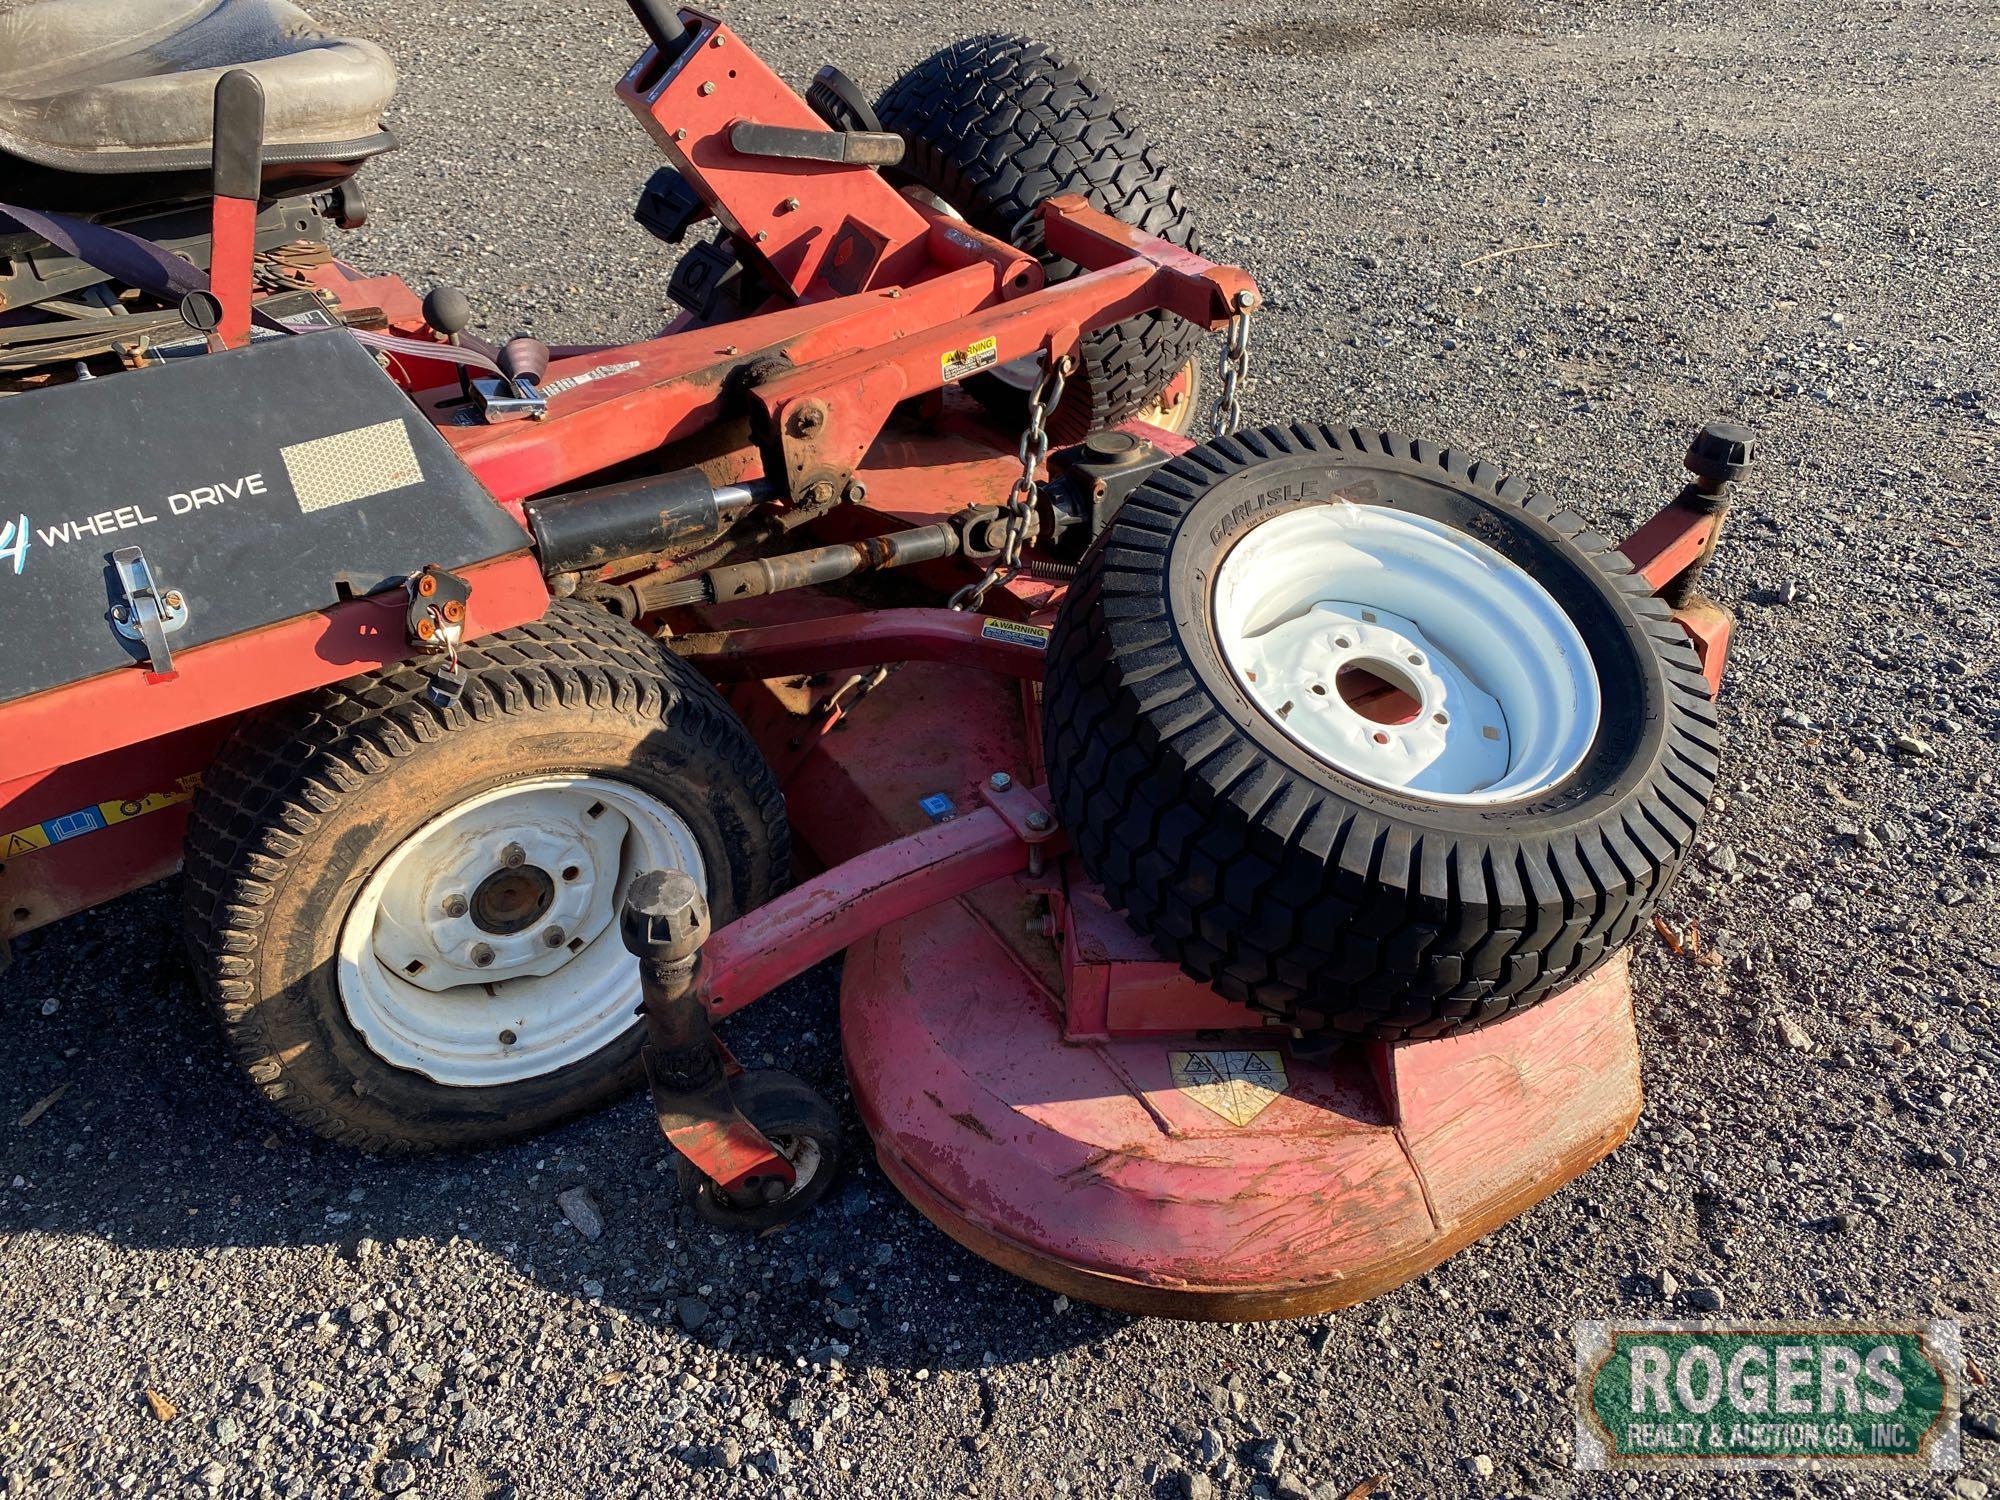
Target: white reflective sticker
[(352, 465)]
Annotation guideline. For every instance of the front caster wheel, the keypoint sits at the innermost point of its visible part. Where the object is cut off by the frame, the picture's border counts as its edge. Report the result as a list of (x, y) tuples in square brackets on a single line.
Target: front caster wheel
[(803, 1127)]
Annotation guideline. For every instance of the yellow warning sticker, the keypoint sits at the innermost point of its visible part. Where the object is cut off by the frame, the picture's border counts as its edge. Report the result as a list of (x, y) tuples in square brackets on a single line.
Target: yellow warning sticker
[(1239, 1086), (959, 363), (1015, 633), (84, 820)]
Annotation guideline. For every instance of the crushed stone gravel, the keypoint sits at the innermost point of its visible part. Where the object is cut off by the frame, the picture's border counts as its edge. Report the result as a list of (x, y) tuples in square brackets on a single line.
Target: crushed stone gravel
[(1558, 235)]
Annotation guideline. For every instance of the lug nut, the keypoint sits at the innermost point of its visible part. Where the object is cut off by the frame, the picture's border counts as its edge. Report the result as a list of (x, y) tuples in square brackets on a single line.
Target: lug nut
[(513, 856), (482, 956), (1000, 781), (555, 937), (455, 906)]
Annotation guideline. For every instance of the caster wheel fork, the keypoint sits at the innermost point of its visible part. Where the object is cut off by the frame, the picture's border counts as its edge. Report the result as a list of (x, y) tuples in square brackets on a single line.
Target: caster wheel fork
[(756, 1149)]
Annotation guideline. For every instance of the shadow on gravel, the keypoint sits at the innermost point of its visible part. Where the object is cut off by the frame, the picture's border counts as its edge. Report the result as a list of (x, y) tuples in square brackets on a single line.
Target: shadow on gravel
[(124, 1121)]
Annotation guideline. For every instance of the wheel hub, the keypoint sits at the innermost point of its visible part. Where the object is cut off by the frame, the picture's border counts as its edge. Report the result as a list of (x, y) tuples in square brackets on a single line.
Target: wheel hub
[(1406, 653), (485, 949), (1367, 690), (510, 901)]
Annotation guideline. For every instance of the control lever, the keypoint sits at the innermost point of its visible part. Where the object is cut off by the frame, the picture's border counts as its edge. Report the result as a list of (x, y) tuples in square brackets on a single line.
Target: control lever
[(524, 361), (661, 21), (517, 394), (448, 310)]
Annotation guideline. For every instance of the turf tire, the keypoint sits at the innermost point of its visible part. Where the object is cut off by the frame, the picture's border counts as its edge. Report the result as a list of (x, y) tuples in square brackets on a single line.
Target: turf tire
[(305, 799), (996, 125), (1265, 871)]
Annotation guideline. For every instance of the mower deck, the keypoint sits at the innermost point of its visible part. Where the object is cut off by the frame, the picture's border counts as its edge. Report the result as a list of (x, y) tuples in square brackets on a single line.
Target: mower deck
[(1052, 1135)]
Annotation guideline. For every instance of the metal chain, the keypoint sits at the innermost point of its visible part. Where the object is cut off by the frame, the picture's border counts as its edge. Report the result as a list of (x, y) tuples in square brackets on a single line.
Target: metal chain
[(1020, 504), (1235, 370), (1020, 500)]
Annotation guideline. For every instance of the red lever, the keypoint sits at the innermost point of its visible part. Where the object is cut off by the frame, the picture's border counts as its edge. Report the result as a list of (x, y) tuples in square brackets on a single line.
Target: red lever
[(237, 158)]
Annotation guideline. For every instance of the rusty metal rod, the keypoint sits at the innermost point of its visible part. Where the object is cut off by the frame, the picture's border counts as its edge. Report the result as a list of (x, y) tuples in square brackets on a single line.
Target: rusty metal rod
[(796, 570)]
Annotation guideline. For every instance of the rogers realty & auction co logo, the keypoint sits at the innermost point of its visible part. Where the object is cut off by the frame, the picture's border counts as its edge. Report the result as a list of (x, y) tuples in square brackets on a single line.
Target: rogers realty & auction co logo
[(1767, 1395)]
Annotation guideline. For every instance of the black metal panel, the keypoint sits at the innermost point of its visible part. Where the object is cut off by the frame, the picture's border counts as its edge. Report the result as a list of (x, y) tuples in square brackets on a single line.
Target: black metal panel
[(261, 483)]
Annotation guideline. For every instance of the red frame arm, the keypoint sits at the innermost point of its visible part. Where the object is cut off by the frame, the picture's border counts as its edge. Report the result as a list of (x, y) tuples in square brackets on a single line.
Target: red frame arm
[(811, 922)]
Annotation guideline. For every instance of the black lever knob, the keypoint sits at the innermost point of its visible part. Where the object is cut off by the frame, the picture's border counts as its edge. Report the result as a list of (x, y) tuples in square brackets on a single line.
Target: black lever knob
[(665, 918), (448, 310)]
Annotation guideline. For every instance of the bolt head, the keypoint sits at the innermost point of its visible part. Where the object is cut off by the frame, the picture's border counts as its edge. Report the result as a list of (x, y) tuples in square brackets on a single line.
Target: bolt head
[(1039, 821), (482, 956), (456, 906), (1000, 781)]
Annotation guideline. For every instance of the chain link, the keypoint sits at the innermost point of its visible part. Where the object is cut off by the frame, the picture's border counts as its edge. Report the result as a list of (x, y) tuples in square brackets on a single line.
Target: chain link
[(1020, 500), (1034, 453), (1235, 370)]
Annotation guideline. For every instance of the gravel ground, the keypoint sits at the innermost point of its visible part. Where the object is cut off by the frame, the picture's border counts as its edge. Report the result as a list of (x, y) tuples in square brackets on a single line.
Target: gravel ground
[(1784, 213)]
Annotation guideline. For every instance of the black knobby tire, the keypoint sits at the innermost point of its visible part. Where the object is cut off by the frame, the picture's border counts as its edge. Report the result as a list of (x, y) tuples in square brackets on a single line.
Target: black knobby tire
[(305, 800), (1288, 885), (995, 126), (801, 1124)]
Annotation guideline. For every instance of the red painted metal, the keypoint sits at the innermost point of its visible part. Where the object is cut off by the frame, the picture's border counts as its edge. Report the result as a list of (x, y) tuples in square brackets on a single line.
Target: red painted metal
[(1115, 984), (1710, 627), (813, 921), (1086, 1169), (827, 222), (1200, 291), (728, 1151), (231, 676), (1664, 545), (1010, 1040), (233, 248), (849, 640), (140, 795), (674, 388)]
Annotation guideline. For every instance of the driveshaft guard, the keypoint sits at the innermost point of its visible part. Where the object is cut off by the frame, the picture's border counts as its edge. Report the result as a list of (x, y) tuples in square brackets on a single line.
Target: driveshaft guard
[(261, 484)]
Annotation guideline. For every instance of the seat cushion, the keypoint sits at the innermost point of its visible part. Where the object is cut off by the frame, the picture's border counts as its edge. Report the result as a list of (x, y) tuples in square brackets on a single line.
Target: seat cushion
[(129, 85)]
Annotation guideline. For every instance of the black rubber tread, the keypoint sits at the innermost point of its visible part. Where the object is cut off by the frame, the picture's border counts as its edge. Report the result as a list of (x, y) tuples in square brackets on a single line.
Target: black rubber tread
[(1338, 905), (995, 126), (275, 807), (779, 1104)]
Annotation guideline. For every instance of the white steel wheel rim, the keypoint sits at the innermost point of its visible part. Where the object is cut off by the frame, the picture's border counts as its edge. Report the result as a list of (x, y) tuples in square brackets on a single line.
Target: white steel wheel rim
[(439, 972), (1323, 598)]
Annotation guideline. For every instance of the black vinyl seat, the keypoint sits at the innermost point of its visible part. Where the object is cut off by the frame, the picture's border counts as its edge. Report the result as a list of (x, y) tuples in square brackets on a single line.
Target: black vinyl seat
[(122, 92)]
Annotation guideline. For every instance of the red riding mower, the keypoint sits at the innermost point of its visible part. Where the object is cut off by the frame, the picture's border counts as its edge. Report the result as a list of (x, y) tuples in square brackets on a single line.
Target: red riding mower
[(1232, 843)]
